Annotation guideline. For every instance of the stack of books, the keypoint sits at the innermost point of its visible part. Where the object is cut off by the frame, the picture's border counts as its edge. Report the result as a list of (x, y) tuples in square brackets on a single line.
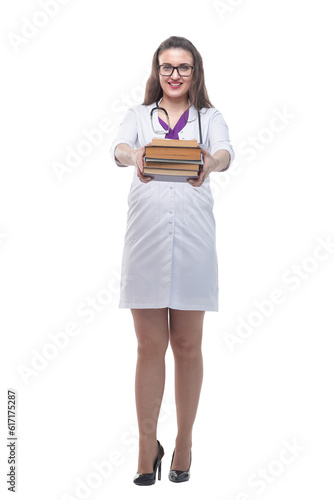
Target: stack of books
[(173, 160)]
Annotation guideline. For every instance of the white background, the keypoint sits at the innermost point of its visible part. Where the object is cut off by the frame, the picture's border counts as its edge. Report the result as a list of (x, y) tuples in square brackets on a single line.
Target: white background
[(61, 241)]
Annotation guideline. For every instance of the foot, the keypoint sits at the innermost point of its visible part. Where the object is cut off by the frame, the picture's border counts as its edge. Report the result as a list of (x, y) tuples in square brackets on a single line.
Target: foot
[(181, 460), (148, 452)]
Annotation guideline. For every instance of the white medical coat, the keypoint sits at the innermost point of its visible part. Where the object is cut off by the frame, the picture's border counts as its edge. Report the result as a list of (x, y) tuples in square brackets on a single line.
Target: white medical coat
[(169, 256)]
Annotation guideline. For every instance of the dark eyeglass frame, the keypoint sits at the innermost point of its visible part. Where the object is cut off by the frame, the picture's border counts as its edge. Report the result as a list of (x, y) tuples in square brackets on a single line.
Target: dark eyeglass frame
[(177, 69)]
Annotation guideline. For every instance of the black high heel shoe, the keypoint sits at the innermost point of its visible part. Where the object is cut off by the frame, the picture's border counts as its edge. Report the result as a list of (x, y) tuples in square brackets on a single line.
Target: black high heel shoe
[(179, 476), (146, 479)]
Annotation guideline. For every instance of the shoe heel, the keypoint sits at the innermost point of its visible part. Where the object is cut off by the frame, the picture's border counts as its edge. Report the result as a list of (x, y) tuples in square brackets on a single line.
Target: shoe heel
[(159, 471)]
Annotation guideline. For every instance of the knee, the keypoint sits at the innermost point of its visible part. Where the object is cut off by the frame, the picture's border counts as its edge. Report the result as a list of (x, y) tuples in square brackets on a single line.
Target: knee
[(185, 348), (148, 346)]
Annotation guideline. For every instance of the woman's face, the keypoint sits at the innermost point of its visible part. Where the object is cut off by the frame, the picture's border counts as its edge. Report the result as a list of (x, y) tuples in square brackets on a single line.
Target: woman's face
[(175, 85)]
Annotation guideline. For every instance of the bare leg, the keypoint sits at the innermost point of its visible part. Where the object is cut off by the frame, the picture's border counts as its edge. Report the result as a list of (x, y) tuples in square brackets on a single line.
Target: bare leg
[(186, 340), (151, 326)]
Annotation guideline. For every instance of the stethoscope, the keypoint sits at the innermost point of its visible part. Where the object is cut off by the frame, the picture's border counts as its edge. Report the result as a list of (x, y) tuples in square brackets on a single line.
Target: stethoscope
[(165, 111)]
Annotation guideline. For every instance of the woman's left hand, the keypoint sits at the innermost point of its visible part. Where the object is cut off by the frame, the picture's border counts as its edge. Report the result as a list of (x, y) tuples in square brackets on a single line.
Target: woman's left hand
[(208, 166)]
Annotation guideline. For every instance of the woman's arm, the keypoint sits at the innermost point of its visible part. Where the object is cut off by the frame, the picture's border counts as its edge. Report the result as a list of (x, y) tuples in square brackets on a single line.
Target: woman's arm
[(125, 140), (215, 163), (222, 159), (220, 145), (125, 154)]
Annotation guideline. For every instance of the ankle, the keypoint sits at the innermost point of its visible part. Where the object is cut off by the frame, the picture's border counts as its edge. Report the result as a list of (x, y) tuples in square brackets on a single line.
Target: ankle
[(182, 443), (148, 443)]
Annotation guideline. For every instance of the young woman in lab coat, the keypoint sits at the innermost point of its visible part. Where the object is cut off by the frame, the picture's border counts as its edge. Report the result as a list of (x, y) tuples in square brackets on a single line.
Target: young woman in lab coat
[(169, 268)]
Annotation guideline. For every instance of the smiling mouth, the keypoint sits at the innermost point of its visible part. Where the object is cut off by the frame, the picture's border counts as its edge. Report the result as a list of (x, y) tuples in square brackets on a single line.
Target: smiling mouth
[(174, 84)]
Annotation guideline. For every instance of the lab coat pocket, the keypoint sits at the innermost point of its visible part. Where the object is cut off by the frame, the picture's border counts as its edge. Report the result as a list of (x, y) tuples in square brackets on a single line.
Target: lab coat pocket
[(143, 211), (198, 213)]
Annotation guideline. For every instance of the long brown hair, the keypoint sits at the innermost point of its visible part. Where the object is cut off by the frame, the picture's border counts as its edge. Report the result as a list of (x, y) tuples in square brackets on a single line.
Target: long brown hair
[(198, 94)]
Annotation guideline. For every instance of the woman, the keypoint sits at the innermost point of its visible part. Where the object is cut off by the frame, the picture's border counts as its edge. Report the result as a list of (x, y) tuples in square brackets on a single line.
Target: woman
[(169, 267)]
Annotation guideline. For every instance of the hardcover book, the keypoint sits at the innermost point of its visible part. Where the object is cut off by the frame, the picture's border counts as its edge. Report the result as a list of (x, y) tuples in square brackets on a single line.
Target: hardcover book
[(173, 160)]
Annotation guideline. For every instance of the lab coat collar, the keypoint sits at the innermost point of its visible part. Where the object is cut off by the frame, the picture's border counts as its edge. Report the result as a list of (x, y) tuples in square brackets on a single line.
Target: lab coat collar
[(192, 111), (192, 115)]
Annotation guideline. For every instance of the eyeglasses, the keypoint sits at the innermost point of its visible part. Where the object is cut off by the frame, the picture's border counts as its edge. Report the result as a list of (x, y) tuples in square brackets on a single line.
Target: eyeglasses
[(183, 70)]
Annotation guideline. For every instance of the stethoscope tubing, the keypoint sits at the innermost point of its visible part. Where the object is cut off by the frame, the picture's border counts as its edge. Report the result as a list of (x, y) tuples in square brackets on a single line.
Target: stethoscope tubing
[(163, 109)]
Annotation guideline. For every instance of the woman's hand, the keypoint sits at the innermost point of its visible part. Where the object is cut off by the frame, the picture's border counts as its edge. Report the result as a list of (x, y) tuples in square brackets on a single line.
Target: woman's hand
[(138, 161), (208, 166)]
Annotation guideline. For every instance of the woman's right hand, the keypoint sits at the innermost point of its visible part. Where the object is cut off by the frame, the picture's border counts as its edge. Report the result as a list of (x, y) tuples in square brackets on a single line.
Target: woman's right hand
[(138, 157)]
